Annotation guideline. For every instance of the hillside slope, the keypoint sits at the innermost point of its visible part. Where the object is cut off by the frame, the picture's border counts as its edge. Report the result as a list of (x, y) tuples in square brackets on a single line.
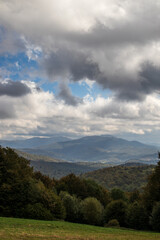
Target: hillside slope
[(61, 169), (27, 229), (124, 177), (58, 168), (33, 157)]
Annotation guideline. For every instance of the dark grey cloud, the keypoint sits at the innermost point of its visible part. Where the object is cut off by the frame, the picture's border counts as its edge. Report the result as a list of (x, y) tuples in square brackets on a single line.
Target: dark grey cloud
[(130, 95), (14, 89), (6, 112), (71, 63), (147, 82), (74, 65), (130, 90), (150, 77), (7, 109), (66, 94), (77, 65)]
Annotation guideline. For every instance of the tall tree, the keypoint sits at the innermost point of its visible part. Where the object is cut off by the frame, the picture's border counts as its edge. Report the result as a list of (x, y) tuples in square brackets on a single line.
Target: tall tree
[(152, 190)]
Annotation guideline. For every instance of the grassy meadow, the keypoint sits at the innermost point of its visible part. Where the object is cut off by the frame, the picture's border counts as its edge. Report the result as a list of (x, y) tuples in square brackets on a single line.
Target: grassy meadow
[(25, 229)]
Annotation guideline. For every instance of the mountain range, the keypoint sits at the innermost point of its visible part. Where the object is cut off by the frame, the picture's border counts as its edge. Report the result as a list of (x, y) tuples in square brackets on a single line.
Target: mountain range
[(102, 149)]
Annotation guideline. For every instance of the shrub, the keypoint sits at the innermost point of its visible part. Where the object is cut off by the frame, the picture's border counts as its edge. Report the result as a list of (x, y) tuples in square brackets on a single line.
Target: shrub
[(113, 223), (37, 211)]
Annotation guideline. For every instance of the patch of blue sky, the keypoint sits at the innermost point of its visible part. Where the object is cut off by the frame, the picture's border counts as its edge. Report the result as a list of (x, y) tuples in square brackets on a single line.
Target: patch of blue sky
[(81, 90), (17, 65), (49, 86)]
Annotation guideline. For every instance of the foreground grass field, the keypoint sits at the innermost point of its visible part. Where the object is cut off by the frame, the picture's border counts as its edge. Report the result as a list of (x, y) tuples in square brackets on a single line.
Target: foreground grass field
[(22, 229)]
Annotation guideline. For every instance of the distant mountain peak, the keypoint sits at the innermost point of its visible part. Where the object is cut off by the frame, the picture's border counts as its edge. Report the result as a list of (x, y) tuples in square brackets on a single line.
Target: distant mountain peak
[(98, 148)]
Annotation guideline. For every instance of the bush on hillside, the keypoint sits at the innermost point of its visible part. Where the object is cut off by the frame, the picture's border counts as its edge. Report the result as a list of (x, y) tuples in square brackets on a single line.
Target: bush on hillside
[(112, 223), (116, 210), (37, 211)]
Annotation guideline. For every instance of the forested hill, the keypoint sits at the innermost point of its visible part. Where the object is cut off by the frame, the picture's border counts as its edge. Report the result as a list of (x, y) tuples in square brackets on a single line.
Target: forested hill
[(61, 169), (124, 177), (58, 168)]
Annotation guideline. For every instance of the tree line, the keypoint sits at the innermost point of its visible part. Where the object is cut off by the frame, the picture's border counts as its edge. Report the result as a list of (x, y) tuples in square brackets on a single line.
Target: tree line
[(28, 194)]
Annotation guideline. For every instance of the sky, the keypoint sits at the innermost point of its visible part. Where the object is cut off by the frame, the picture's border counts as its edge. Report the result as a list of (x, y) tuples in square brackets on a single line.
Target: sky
[(80, 67)]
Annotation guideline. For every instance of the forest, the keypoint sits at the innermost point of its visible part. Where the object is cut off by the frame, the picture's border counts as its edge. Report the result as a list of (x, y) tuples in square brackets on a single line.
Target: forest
[(126, 177), (29, 194)]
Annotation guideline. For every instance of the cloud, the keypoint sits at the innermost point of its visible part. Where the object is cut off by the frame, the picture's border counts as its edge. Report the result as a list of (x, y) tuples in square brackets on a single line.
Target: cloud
[(6, 112), (10, 41), (147, 82), (71, 63), (66, 94), (151, 77), (13, 89)]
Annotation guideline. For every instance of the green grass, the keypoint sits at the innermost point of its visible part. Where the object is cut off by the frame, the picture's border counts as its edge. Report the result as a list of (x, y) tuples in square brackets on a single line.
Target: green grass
[(24, 229)]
